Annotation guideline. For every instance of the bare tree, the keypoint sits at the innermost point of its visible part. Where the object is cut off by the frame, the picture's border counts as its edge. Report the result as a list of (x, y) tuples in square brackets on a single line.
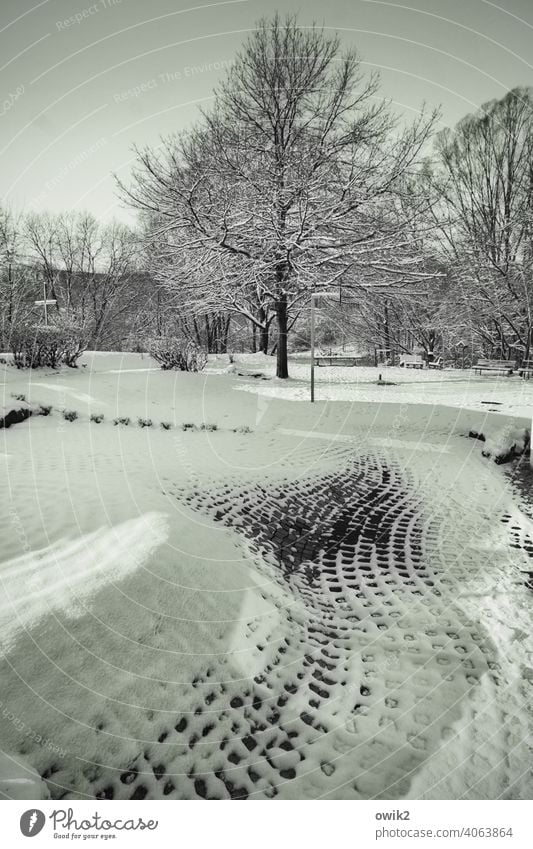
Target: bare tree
[(111, 275), (40, 230), (400, 321), (91, 270), (288, 186), (484, 183), (17, 283)]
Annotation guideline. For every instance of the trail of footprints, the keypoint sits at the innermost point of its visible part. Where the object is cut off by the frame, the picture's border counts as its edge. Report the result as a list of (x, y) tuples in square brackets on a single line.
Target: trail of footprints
[(360, 679), (522, 542)]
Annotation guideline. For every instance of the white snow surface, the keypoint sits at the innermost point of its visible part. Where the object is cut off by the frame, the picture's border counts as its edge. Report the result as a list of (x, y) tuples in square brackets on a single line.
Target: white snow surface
[(63, 575), (451, 387), (153, 641)]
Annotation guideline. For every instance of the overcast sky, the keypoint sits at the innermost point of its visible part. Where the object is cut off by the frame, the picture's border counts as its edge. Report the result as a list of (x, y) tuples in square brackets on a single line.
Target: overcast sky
[(82, 82)]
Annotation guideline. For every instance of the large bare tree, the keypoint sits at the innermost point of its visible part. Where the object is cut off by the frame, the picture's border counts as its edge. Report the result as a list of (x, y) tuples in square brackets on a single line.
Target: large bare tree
[(289, 185)]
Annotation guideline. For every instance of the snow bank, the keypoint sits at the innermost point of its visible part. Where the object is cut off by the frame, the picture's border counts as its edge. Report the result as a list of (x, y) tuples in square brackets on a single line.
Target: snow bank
[(63, 575)]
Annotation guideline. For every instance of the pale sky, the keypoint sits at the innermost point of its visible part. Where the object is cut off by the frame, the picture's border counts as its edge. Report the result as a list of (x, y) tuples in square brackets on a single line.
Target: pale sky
[(82, 81)]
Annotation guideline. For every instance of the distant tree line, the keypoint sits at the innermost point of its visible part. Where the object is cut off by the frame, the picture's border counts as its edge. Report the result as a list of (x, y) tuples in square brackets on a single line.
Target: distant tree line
[(301, 179)]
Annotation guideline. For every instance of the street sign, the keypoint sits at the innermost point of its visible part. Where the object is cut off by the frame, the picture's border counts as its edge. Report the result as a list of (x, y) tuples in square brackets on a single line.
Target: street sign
[(45, 303)]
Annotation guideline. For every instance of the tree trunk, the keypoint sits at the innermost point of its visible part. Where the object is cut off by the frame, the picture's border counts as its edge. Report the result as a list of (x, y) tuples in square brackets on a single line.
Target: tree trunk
[(263, 338), (158, 314), (197, 331), (282, 369), (225, 322), (208, 333), (262, 330), (386, 327)]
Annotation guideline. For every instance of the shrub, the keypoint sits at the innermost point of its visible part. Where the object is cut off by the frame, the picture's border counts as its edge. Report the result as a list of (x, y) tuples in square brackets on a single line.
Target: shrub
[(44, 410), (13, 417), (144, 422), (18, 397), (37, 346), (207, 426), (123, 420), (97, 417), (136, 345), (70, 415), (166, 425), (311, 574), (171, 352), (242, 429), (189, 426)]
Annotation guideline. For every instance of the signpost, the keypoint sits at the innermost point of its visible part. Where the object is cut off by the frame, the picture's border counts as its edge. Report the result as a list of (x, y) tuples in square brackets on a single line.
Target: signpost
[(313, 304), (45, 302), (314, 298)]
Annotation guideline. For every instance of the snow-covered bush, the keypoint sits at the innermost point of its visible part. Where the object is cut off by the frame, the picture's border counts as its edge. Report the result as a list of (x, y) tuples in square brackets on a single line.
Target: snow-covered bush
[(506, 444), (171, 352), (10, 415), (37, 346)]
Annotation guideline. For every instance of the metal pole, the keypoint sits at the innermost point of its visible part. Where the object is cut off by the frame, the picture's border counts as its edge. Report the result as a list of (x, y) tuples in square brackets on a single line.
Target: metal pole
[(45, 307), (312, 348)]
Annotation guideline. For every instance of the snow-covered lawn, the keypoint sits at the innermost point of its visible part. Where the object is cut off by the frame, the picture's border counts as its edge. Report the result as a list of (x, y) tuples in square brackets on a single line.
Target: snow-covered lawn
[(323, 601), (451, 387)]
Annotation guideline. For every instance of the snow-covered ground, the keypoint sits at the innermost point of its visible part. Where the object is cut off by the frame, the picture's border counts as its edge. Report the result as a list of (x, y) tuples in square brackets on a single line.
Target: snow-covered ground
[(452, 387), (323, 601)]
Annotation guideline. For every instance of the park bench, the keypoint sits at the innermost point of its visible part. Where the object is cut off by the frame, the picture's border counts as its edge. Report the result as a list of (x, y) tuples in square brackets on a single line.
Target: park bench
[(485, 365), (526, 369), (411, 361), (436, 363), (335, 360)]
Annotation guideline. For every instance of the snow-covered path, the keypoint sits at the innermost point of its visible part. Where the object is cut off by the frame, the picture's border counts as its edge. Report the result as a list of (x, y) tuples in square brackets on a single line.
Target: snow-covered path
[(388, 620), (332, 605), (63, 575)]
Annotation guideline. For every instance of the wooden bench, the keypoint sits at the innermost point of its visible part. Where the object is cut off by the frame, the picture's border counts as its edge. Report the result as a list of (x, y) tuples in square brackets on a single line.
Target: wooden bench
[(526, 369), (335, 360), (411, 361), (505, 366)]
